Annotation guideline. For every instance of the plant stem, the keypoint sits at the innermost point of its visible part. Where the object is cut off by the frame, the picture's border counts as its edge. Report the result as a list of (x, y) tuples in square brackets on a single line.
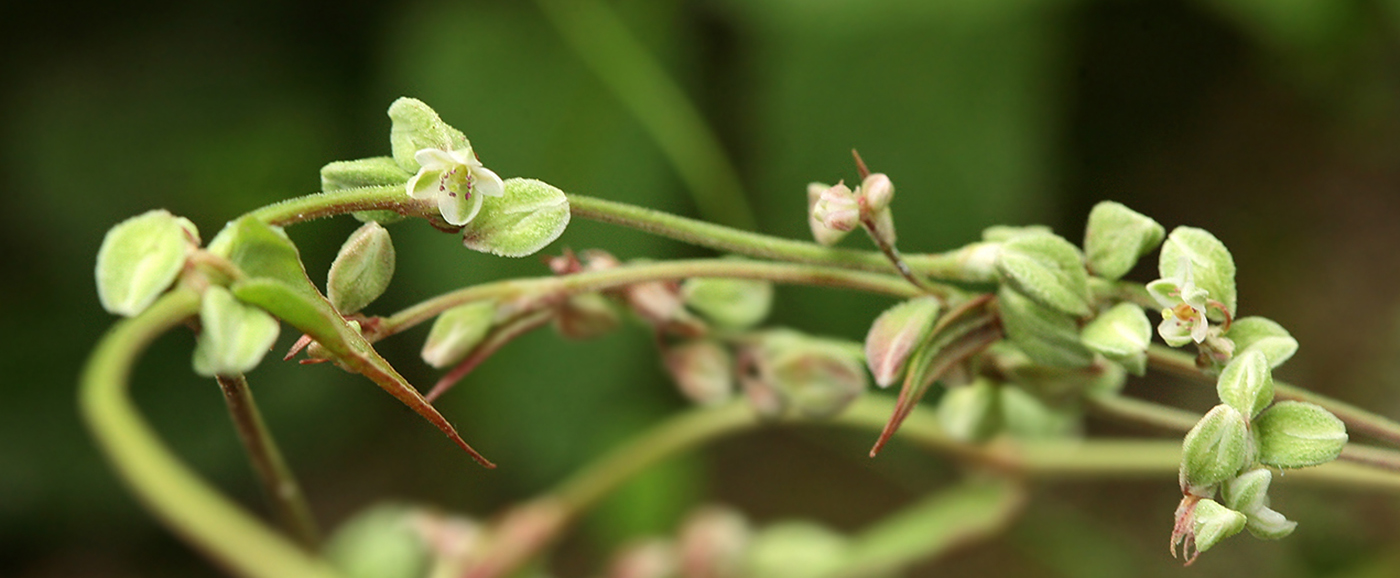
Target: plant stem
[(321, 205), (279, 483), (953, 265), (1179, 420), (625, 66), (1357, 419), (188, 505), (640, 272)]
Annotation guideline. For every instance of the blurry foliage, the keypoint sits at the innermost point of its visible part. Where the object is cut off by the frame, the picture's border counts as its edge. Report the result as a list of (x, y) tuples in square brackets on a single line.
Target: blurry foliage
[(1272, 122)]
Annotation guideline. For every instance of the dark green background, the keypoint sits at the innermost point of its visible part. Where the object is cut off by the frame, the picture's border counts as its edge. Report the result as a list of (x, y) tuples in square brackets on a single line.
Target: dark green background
[(1275, 124)]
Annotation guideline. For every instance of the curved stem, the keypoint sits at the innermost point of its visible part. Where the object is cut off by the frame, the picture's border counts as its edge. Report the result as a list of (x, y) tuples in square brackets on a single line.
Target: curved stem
[(625, 66), (1179, 420), (279, 483), (543, 287), (957, 265), (321, 205), (1357, 419), (187, 504)]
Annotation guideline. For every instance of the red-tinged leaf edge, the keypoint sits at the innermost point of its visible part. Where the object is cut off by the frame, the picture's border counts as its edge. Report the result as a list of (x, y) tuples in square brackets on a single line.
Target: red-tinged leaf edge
[(963, 332)]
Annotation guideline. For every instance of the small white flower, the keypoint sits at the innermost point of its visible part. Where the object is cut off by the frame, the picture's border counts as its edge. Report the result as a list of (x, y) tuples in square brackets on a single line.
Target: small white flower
[(1184, 308), (837, 208), (457, 180)]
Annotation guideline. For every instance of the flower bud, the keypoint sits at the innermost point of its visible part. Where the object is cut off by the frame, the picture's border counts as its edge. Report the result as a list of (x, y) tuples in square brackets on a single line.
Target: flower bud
[(837, 208), (823, 234), (417, 127), (528, 216), (883, 230), (654, 558), (1214, 522), (362, 270), (792, 373), (1121, 334), (795, 550), (703, 370), (233, 337), (1047, 269), (658, 302), (1046, 335), (1116, 237), (1264, 335), (1214, 450), (712, 543), (876, 191), (1211, 268), (731, 303), (1295, 434), (1247, 384), (381, 542), (586, 316), (140, 258), (971, 413), (457, 332), (895, 334)]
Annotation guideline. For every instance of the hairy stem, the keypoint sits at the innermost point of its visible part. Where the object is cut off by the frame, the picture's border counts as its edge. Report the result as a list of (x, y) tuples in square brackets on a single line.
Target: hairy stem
[(953, 265), (588, 281), (279, 483), (605, 44), (184, 502), (1357, 419)]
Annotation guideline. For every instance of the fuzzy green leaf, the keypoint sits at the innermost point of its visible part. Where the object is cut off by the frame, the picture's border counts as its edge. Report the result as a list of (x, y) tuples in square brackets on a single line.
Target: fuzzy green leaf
[(1116, 237), (1047, 269), (530, 215)]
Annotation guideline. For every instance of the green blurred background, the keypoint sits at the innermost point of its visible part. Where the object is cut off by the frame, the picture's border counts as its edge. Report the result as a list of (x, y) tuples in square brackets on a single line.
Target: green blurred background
[(1273, 123)]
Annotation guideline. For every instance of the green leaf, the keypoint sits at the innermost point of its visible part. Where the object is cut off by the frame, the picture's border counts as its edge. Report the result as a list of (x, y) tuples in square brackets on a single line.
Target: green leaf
[(381, 542), (530, 215), (1047, 336), (1265, 336), (370, 172), (895, 334), (730, 303), (1296, 434), (140, 258), (1247, 384), (1121, 334), (457, 331), (965, 331), (1214, 522), (416, 127), (1047, 269), (1212, 267), (1117, 237), (361, 270), (233, 337)]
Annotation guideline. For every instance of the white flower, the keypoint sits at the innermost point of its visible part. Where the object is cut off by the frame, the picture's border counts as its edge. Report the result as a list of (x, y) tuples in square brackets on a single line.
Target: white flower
[(1184, 307), (457, 180)]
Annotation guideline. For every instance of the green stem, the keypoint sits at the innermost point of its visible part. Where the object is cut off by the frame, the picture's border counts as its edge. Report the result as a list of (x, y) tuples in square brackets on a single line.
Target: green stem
[(1054, 460), (279, 483), (188, 505), (1357, 419), (588, 281), (958, 265), (1179, 420), (605, 44), (321, 205)]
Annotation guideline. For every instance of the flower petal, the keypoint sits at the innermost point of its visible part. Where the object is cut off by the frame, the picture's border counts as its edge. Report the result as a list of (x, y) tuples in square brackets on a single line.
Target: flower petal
[(424, 185), (486, 182), (1165, 291), (1174, 332), (1199, 326), (435, 159), (459, 208)]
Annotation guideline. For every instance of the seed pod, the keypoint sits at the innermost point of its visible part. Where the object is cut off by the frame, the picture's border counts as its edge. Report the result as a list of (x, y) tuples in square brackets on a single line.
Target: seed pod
[(1214, 522), (1214, 450), (457, 331), (1247, 384)]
